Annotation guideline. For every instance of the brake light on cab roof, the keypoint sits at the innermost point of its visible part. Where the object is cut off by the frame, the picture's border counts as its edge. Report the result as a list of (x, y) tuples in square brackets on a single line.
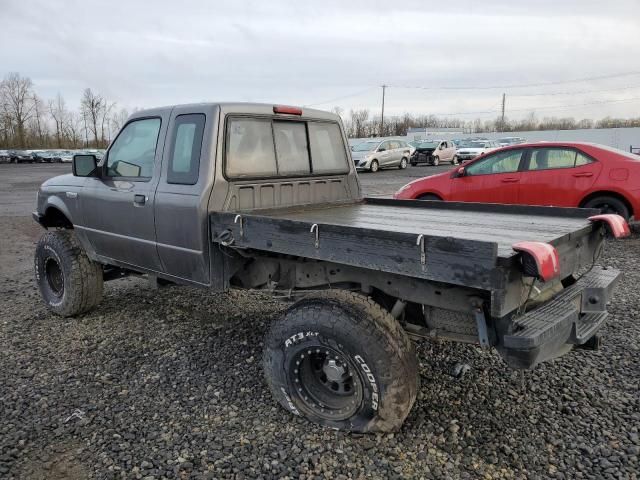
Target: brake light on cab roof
[(287, 110)]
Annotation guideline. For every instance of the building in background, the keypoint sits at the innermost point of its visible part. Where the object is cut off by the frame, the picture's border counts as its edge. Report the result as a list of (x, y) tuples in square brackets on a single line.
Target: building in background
[(424, 133)]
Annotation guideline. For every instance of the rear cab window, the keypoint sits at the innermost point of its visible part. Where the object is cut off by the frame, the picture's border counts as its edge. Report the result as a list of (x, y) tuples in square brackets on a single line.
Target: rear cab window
[(257, 147)]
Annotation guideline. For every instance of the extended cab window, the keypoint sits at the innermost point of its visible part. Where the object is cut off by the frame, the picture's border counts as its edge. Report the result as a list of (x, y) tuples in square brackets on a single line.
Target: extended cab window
[(501, 162), (261, 147), (186, 143), (133, 152)]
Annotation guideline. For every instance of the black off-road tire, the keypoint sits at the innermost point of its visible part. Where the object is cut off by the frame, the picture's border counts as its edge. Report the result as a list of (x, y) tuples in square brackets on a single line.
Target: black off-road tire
[(69, 282), (369, 348), (609, 205)]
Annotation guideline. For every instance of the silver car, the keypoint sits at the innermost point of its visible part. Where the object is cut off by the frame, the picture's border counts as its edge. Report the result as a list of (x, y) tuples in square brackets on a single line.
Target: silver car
[(373, 155)]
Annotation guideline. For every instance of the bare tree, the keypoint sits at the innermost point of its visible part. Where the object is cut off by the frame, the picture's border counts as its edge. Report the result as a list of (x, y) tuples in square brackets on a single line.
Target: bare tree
[(17, 95), (92, 107), (60, 116), (73, 130), (105, 122), (118, 119), (40, 122)]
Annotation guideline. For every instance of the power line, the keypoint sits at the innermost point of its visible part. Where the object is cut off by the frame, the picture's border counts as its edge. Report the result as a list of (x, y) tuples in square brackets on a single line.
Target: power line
[(575, 92), (547, 107), (522, 85), (340, 98)]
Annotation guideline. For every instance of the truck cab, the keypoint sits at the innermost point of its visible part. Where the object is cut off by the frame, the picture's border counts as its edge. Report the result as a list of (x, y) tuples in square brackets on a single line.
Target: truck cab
[(144, 206)]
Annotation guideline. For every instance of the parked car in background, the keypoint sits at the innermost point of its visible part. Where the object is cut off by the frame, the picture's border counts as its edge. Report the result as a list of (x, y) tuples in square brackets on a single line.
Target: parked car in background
[(66, 156), (506, 141), (373, 155), (4, 156), (20, 156), (471, 149), (555, 174), (432, 152)]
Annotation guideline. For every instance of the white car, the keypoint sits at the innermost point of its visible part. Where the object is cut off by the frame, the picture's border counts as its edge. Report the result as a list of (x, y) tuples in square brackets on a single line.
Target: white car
[(373, 155), (506, 141), (470, 150)]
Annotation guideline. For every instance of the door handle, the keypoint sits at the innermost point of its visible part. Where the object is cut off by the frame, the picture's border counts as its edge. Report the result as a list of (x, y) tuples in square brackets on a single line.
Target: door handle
[(139, 199), (583, 174), (509, 180)]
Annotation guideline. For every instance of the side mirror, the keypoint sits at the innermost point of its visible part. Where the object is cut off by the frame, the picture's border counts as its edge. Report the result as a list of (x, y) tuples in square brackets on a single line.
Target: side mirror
[(84, 165), (382, 149), (460, 172)]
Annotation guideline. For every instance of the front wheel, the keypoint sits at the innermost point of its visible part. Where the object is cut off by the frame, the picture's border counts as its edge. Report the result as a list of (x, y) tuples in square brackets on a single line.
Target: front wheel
[(403, 163), (69, 282), (429, 196), (374, 166), (455, 160), (435, 162), (338, 359)]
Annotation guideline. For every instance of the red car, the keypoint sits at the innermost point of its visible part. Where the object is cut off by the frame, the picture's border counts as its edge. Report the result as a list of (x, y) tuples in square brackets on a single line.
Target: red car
[(563, 174)]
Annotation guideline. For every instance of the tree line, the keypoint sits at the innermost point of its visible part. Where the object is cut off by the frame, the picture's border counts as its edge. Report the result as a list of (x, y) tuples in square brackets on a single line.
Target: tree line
[(29, 121), (361, 124)]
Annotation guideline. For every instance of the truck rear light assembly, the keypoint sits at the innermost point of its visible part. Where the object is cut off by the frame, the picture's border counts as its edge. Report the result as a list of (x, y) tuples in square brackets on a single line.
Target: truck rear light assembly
[(539, 259), (617, 226), (287, 110)]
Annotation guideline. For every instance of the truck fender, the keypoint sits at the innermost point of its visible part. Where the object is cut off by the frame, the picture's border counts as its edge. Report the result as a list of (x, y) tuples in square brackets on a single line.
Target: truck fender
[(540, 259), (616, 225), (55, 202)]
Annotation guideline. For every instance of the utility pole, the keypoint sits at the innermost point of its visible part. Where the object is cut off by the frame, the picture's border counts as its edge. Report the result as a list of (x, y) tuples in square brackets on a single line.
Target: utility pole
[(384, 87), (504, 99)]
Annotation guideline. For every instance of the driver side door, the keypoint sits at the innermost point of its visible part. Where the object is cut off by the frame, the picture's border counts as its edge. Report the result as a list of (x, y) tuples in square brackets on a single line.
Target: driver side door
[(492, 179), (118, 207)]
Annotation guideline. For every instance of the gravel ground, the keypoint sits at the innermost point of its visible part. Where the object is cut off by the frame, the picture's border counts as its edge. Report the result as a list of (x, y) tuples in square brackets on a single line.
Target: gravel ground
[(168, 383)]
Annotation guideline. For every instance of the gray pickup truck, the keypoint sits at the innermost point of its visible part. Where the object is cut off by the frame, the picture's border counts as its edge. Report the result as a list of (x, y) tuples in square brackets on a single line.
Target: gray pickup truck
[(266, 197)]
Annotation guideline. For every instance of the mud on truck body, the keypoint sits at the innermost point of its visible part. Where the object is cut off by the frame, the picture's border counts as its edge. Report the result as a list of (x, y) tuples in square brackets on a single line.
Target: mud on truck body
[(266, 197)]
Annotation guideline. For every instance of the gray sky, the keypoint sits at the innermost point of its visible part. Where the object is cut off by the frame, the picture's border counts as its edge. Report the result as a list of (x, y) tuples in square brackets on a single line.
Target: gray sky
[(143, 54)]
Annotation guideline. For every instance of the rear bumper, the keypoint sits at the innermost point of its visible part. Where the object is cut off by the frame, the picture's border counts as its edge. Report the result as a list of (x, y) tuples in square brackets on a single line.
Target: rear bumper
[(571, 318)]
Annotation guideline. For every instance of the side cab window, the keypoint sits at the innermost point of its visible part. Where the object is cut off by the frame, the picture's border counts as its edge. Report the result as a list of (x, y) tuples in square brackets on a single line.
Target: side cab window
[(133, 152)]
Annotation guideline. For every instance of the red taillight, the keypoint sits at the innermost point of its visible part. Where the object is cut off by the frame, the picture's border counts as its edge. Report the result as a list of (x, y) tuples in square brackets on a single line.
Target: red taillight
[(287, 110)]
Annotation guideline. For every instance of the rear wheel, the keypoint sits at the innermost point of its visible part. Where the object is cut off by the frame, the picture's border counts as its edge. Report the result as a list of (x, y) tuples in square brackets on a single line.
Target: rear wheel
[(403, 163), (374, 166), (436, 161), (455, 160), (338, 359), (609, 205)]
